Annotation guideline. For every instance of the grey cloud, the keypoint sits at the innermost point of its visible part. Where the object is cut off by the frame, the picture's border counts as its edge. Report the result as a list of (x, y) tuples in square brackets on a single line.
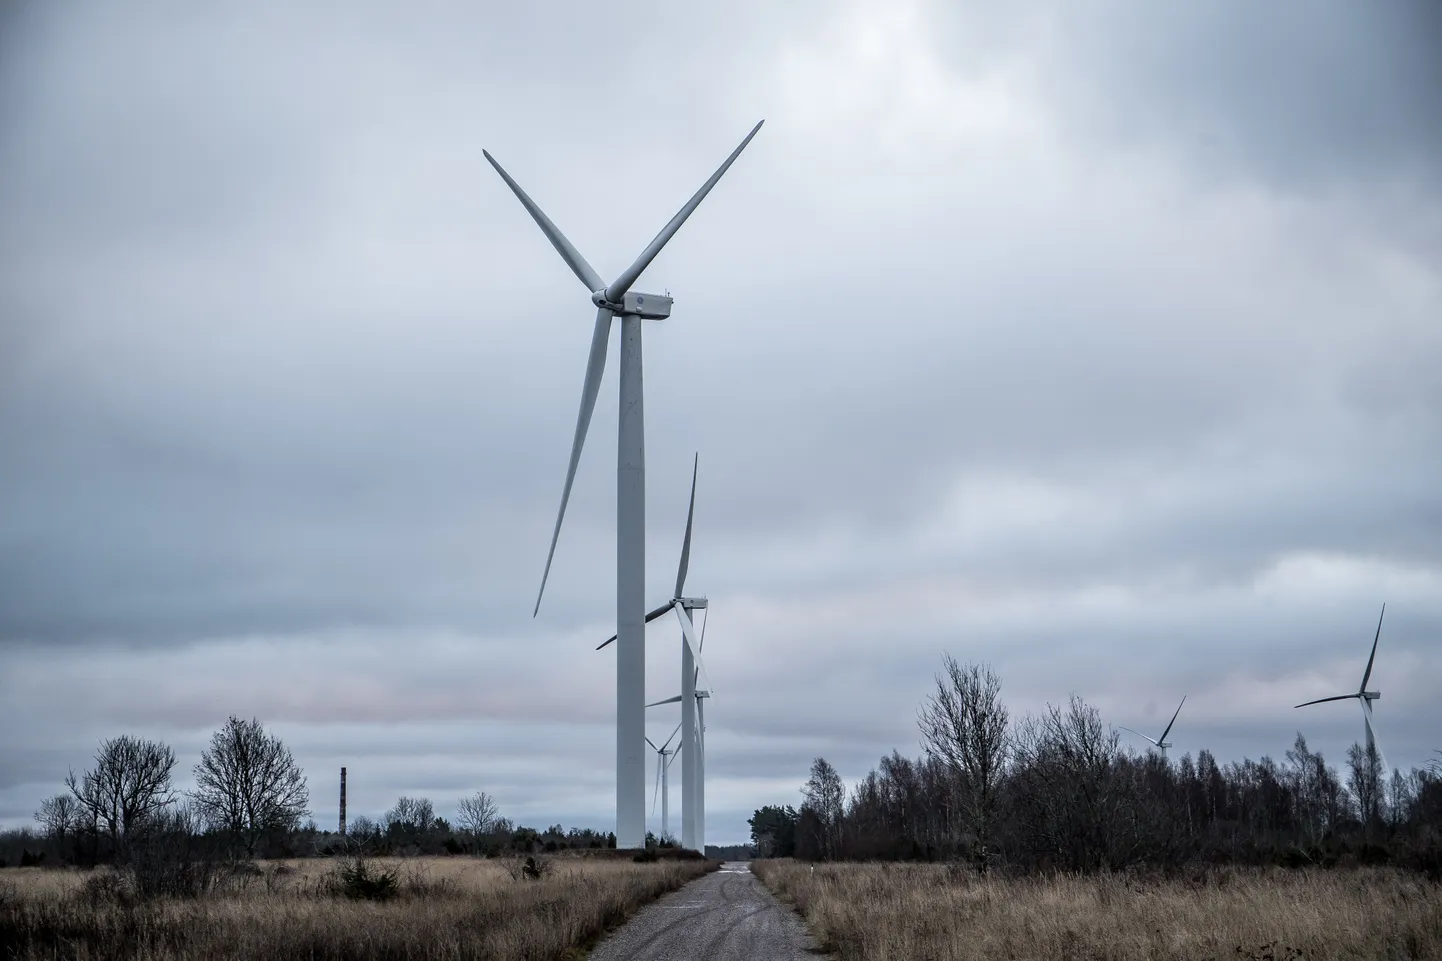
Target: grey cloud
[(1060, 343), (1304, 94)]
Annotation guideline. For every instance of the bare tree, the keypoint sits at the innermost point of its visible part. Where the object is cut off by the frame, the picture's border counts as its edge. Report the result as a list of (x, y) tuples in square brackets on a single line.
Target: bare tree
[(130, 783), (411, 815), (1065, 786), (61, 815), (477, 813), (362, 827), (965, 724), (1400, 795), (1364, 779), (825, 797), (248, 784)]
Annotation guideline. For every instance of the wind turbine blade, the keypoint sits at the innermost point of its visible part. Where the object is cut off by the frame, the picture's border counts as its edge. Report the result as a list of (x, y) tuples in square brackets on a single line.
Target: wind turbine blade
[(595, 367), (1366, 675), (669, 700), (672, 737), (701, 725), (689, 633), (686, 541), (1137, 733), (1324, 700), (623, 283), (656, 793), (1370, 721), (653, 744), (568, 253), (664, 608), (1172, 721)]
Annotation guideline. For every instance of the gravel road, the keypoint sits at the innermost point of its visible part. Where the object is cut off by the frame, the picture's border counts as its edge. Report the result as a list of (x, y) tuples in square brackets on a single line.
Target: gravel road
[(725, 916)]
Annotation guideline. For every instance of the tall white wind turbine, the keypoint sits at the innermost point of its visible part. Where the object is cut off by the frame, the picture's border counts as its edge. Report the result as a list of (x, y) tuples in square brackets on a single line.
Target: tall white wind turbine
[(1161, 743), (691, 664), (1364, 696), (619, 300), (665, 754), (695, 785)]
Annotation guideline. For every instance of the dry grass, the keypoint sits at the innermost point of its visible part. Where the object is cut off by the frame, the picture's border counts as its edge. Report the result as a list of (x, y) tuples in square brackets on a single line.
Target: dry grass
[(444, 908), (909, 912)]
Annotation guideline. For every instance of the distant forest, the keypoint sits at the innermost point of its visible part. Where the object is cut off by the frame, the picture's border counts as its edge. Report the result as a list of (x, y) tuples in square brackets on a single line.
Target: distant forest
[(1059, 792), (250, 800)]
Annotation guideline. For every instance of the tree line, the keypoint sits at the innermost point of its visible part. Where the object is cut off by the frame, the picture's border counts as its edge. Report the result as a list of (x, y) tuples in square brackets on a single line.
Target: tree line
[(250, 800), (1057, 791)]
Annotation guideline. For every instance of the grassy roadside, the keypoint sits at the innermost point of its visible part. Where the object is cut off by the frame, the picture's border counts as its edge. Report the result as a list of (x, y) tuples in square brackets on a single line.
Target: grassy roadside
[(442, 908), (903, 912)]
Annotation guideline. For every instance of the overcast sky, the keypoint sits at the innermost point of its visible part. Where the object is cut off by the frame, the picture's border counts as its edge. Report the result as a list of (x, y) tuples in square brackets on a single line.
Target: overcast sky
[(1101, 346)]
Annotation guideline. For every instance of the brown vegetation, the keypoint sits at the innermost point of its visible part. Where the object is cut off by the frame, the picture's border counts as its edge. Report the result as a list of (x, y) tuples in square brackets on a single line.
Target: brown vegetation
[(438, 908), (904, 912)]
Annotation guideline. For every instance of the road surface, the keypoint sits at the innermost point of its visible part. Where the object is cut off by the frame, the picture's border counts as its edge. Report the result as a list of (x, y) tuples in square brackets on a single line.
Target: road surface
[(725, 916)]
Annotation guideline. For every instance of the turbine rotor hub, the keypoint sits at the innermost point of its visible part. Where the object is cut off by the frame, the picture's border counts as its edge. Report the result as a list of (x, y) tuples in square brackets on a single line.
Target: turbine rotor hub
[(636, 303)]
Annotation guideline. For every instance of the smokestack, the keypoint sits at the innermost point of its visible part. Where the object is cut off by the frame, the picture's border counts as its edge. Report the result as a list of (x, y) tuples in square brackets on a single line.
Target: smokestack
[(342, 800)]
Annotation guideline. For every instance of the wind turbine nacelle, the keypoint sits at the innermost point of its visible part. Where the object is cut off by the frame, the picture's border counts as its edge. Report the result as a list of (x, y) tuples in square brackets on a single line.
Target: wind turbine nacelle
[(1372, 695), (646, 306)]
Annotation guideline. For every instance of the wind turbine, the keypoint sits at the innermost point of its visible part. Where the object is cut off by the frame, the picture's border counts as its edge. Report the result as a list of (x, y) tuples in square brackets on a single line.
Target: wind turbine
[(618, 299), (1364, 696), (691, 664), (1161, 743), (664, 757), (695, 789)]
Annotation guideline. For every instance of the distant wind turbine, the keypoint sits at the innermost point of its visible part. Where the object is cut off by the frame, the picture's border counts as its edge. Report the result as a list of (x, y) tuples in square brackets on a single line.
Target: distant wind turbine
[(665, 754), (1364, 696), (696, 785), (691, 664), (1162, 743), (619, 300)]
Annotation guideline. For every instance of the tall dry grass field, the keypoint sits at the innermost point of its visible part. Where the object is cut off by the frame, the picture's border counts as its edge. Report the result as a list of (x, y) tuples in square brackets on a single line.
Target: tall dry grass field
[(443, 908), (911, 912)]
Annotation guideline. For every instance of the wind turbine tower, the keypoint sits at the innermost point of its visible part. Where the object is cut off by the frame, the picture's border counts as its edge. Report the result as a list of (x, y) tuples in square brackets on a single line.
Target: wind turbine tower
[(618, 300)]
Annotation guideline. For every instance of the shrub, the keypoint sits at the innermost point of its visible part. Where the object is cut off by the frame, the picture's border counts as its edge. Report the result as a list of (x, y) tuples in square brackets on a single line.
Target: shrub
[(357, 879), (529, 868), (105, 887), (169, 859)]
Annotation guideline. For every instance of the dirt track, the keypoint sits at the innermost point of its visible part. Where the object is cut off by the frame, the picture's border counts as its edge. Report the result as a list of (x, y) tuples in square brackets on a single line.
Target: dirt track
[(725, 916)]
